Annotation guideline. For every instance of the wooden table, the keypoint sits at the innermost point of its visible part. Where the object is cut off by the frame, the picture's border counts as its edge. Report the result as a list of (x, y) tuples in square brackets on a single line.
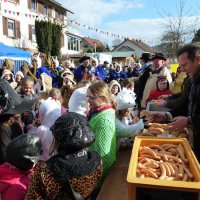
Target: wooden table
[(115, 186)]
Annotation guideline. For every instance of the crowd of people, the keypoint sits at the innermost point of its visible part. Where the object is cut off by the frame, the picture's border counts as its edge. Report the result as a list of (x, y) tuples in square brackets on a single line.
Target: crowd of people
[(61, 126)]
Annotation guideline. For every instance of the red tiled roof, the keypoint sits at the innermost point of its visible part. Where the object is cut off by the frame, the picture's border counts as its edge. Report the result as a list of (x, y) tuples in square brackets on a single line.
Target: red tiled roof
[(92, 41)]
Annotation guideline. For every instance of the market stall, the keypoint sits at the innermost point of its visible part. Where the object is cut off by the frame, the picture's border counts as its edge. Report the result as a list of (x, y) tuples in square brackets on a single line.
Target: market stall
[(17, 55)]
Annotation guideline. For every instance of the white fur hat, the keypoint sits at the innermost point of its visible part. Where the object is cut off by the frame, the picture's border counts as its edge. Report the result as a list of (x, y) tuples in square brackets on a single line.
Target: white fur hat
[(125, 99), (78, 101), (19, 73)]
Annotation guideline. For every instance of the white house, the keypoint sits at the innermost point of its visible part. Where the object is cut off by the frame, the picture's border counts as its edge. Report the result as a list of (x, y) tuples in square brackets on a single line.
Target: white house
[(136, 46), (17, 22)]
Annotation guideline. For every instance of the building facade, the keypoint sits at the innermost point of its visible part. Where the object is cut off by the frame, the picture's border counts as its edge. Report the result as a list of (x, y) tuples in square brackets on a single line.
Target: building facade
[(136, 46), (17, 22)]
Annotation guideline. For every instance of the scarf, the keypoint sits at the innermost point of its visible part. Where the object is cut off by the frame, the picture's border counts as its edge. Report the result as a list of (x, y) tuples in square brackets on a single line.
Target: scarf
[(97, 110)]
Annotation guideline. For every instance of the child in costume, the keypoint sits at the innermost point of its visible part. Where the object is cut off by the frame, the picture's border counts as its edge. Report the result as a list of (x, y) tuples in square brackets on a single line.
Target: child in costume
[(21, 155), (72, 171)]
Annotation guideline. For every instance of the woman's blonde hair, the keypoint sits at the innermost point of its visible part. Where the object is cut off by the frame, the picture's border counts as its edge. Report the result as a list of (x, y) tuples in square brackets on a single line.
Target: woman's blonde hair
[(101, 89)]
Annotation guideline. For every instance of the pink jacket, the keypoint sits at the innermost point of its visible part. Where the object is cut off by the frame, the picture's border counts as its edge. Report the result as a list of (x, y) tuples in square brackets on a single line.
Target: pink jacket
[(13, 182)]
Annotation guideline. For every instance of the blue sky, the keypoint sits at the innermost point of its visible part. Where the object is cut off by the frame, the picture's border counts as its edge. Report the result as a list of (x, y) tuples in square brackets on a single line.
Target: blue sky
[(131, 18)]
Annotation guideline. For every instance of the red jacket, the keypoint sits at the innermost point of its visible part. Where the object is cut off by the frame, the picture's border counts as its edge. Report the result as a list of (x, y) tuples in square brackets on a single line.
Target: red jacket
[(154, 94), (13, 182)]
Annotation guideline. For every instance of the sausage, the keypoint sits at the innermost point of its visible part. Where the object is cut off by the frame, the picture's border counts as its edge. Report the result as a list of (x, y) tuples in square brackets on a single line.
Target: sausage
[(173, 151), (178, 160), (174, 167), (163, 172), (181, 154), (190, 175), (169, 146), (156, 146), (149, 172), (159, 130), (173, 173), (185, 177), (141, 166), (148, 151), (168, 172)]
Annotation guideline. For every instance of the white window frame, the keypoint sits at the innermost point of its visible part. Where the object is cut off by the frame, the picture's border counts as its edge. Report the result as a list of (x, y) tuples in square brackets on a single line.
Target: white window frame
[(73, 43), (11, 31)]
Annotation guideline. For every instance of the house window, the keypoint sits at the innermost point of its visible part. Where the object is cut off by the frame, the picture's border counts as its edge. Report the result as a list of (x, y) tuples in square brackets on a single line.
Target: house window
[(56, 14), (45, 10), (33, 33), (33, 5), (11, 28), (73, 44)]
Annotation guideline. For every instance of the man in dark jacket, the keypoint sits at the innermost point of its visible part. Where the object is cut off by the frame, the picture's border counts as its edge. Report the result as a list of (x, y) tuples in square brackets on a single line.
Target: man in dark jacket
[(84, 71), (144, 71), (189, 58)]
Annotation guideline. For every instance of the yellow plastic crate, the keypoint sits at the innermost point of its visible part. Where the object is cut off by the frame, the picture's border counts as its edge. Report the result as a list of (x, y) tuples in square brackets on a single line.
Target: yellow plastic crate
[(134, 181)]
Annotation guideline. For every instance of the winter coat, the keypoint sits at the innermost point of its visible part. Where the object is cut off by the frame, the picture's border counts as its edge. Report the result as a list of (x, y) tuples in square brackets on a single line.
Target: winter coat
[(101, 72), (13, 182), (194, 113), (179, 102), (151, 82), (12, 82), (49, 111), (81, 72), (50, 178), (154, 94), (142, 82), (117, 75)]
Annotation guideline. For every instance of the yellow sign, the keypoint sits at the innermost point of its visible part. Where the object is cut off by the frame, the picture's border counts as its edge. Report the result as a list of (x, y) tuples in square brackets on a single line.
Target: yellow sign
[(173, 67)]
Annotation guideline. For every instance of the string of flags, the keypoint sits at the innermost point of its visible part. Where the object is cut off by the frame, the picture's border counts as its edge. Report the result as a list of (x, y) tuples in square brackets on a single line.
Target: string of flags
[(78, 24)]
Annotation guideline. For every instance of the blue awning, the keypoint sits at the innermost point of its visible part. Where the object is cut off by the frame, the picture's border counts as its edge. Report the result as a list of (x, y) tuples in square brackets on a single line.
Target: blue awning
[(12, 52)]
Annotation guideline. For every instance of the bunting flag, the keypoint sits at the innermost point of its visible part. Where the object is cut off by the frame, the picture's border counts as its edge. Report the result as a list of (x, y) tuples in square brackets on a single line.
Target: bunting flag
[(21, 14), (78, 24)]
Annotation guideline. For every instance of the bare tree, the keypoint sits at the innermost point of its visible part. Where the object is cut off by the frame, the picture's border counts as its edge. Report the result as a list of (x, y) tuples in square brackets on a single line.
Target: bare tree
[(178, 29), (116, 42)]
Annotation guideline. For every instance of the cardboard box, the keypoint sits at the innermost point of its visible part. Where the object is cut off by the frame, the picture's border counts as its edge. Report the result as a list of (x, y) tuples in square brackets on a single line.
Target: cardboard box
[(134, 181)]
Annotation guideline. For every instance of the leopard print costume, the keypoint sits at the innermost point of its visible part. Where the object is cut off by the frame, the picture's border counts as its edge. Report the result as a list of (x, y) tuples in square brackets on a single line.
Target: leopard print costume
[(44, 187)]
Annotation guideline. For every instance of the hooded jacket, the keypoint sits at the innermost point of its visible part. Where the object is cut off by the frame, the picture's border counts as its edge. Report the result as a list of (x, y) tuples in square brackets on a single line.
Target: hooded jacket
[(114, 75), (12, 82), (49, 111)]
